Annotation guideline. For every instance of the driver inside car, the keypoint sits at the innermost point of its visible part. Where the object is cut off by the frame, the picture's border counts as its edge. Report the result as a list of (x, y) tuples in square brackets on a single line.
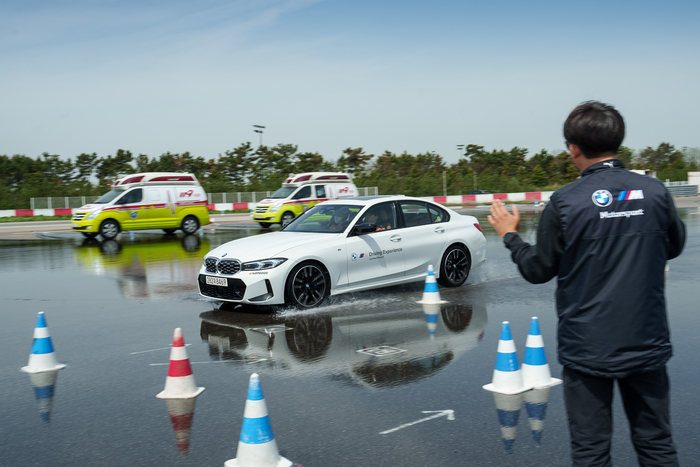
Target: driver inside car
[(340, 220)]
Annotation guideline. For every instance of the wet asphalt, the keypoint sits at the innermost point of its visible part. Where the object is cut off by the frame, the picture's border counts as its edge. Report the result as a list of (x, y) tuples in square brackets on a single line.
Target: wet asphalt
[(358, 382)]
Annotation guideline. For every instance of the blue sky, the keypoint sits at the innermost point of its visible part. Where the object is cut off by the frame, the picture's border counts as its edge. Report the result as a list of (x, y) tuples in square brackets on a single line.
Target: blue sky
[(157, 76)]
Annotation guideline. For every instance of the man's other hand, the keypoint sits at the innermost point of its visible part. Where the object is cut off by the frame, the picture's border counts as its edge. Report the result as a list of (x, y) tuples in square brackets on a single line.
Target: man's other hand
[(501, 220)]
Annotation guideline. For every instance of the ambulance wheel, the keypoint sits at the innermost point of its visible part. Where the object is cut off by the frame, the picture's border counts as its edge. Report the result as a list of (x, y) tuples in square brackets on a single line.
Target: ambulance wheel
[(265, 225), (455, 266), (89, 234), (308, 285), (169, 231), (287, 217), (109, 229), (190, 224)]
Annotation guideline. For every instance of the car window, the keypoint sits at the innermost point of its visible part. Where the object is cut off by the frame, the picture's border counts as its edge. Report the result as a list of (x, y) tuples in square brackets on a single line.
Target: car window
[(438, 214), (133, 196), (323, 218), (383, 215), (415, 213), (305, 192), (320, 191)]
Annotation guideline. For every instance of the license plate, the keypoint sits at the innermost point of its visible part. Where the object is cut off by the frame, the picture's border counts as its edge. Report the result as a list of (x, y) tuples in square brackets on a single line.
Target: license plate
[(211, 280), (257, 216)]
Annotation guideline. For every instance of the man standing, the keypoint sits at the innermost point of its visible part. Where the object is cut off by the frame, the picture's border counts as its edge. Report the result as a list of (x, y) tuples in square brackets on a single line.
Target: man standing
[(607, 237)]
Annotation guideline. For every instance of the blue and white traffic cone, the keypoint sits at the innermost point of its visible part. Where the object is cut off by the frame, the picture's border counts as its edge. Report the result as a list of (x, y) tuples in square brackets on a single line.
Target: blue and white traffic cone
[(507, 378), (42, 356), (257, 446), (508, 410), (44, 384), (431, 294), (535, 367), (432, 312), (536, 407)]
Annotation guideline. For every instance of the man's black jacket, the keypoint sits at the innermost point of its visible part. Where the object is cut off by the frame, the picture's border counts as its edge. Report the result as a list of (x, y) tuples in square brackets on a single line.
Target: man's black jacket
[(607, 236)]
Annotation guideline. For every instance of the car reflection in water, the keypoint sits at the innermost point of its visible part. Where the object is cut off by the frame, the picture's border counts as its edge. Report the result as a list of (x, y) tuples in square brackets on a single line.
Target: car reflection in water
[(378, 351), (151, 267)]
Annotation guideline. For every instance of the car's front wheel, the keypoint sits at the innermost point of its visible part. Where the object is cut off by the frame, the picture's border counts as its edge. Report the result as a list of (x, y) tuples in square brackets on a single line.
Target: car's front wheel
[(190, 224), (455, 266), (287, 217), (308, 285), (109, 229)]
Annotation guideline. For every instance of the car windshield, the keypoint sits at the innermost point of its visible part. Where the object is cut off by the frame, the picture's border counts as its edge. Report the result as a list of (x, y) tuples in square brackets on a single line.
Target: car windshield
[(282, 193), (333, 218), (107, 197)]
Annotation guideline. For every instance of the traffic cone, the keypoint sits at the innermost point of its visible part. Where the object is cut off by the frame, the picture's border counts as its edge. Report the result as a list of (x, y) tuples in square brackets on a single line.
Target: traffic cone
[(257, 446), (507, 378), (432, 312), (44, 384), (179, 384), (42, 356), (431, 294), (181, 413), (536, 407), (508, 410), (535, 367)]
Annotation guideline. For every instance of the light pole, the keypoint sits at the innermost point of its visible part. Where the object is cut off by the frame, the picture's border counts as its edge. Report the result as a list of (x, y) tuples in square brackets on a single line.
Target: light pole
[(259, 129), (460, 147)]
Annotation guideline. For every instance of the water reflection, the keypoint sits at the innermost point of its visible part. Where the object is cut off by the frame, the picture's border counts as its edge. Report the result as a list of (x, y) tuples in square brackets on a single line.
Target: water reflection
[(379, 350), (508, 411), (152, 268), (181, 412), (44, 384)]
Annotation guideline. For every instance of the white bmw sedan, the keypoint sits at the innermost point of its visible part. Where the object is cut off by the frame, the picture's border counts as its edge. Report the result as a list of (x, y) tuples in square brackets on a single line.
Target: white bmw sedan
[(342, 246)]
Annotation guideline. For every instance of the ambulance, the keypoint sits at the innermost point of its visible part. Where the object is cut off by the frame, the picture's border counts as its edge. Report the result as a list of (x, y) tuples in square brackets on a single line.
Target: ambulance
[(300, 192), (152, 200)]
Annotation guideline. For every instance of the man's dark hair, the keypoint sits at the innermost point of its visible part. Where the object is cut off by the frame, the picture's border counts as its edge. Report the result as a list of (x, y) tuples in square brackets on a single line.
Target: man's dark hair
[(595, 128)]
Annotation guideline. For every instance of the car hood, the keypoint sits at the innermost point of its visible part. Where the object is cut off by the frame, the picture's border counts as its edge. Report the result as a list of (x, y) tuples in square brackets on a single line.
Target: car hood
[(270, 245)]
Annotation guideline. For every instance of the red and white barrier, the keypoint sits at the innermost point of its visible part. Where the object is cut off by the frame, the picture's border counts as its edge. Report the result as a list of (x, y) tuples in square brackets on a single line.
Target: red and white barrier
[(218, 207)]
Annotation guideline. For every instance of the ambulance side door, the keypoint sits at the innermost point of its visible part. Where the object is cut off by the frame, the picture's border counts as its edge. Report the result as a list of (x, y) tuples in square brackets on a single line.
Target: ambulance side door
[(131, 208)]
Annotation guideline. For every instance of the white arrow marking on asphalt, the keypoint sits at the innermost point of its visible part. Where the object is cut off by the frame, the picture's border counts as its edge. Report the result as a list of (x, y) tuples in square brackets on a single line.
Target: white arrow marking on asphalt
[(438, 413)]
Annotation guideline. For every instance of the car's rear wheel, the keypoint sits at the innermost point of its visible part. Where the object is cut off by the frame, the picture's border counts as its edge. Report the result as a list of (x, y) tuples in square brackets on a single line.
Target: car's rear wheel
[(190, 224), (455, 266), (287, 217), (109, 229), (308, 285)]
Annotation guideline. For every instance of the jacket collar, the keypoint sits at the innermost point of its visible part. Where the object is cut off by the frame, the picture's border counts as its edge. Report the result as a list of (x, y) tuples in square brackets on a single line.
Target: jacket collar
[(604, 165)]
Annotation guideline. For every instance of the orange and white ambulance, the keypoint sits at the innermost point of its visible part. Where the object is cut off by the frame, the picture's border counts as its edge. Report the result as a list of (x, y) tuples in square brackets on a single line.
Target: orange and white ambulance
[(300, 192), (152, 200)]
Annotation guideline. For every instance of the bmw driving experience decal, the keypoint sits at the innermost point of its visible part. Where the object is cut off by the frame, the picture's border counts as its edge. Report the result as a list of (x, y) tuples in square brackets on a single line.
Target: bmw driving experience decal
[(134, 214), (602, 198)]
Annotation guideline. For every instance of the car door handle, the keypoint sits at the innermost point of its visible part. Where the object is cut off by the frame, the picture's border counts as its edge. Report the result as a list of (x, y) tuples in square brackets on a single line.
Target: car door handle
[(439, 230), (395, 238)]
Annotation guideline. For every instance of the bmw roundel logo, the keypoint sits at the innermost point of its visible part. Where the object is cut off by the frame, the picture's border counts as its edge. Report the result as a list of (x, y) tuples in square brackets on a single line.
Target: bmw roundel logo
[(602, 198), (353, 256)]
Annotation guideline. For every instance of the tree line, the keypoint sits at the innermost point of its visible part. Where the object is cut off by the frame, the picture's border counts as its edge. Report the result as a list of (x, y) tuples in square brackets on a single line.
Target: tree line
[(263, 168)]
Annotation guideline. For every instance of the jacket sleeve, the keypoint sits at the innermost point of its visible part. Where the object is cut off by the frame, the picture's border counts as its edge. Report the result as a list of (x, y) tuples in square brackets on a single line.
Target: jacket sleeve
[(539, 263), (676, 231)]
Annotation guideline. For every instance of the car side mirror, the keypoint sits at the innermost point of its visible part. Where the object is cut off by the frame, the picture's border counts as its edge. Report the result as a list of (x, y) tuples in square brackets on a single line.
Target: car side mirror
[(361, 229)]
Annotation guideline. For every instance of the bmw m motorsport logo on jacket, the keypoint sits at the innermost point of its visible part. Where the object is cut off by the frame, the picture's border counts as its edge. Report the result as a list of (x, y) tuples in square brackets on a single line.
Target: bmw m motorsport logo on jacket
[(602, 198)]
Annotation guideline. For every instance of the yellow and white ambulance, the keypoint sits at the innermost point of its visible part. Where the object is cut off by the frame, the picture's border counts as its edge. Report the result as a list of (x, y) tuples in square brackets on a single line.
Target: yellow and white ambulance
[(151, 200), (300, 192)]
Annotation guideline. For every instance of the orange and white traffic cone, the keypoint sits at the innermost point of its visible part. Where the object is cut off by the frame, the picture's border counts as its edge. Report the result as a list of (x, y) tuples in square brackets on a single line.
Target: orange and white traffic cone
[(257, 446), (179, 384), (42, 356)]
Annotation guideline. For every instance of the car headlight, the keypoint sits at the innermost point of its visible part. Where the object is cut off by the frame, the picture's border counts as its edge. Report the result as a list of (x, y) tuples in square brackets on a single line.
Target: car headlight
[(93, 215), (275, 208), (263, 264)]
